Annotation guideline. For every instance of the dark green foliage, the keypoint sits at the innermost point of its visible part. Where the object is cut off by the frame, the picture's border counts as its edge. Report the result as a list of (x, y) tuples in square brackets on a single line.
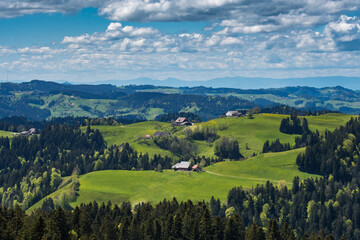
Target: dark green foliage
[(333, 153), (202, 133), (227, 148), (294, 125), (176, 145), (166, 220), (275, 146), (255, 233), (10, 106)]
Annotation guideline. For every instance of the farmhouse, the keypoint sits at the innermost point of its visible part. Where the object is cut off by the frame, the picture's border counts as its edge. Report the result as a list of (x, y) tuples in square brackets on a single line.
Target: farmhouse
[(233, 114), (162, 134), (182, 121), (182, 166), (32, 131), (147, 136)]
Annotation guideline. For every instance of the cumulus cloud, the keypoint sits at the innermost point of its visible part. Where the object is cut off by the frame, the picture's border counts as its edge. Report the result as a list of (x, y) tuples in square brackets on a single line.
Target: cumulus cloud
[(345, 33), (11, 8), (239, 46), (247, 16)]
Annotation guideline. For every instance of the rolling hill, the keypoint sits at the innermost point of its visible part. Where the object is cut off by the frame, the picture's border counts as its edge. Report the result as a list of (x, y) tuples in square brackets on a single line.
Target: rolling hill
[(250, 132), (137, 186), (219, 178)]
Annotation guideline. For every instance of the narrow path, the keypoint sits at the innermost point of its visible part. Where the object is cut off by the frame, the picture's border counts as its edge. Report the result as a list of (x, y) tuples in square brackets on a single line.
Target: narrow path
[(258, 179)]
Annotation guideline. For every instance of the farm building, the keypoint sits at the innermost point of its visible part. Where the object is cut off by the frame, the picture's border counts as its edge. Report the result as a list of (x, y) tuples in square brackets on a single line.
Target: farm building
[(233, 114), (182, 121), (195, 168), (147, 136), (181, 166), (162, 134), (32, 131)]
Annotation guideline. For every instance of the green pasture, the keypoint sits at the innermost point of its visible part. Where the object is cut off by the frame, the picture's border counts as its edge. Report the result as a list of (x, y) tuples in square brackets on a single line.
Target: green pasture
[(248, 132), (138, 186)]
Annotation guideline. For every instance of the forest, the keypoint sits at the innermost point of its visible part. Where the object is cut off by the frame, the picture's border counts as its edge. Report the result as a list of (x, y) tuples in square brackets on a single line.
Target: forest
[(165, 220)]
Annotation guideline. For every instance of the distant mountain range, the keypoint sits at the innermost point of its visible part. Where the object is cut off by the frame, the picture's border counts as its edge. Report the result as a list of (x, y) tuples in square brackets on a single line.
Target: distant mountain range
[(38, 100), (245, 82)]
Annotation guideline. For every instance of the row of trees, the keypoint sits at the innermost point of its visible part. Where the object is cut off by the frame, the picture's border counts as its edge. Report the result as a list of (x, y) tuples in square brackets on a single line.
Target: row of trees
[(203, 133), (166, 220)]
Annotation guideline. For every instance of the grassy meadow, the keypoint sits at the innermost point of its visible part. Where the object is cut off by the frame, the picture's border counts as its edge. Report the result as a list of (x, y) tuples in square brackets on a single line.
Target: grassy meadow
[(219, 178), (137, 186), (250, 132), (6, 134), (134, 133)]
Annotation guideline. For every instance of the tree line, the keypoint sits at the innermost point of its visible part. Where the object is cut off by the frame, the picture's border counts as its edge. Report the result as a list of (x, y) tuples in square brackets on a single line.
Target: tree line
[(165, 220)]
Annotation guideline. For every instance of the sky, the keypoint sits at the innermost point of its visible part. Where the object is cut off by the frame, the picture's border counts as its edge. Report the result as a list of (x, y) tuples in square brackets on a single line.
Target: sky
[(99, 40)]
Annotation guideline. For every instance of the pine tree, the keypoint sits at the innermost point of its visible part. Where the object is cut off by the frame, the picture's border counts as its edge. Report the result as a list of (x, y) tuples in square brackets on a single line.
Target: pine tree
[(234, 229), (39, 229), (273, 231), (255, 233), (107, 229), (205, 226)]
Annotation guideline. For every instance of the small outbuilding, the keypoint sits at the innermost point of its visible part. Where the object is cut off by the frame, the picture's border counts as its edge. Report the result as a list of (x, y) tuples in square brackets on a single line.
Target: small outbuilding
[(195, 168), (181, 166)]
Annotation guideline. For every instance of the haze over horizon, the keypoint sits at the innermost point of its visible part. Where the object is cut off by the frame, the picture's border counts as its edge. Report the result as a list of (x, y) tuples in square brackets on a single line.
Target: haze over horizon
[(99, 40)]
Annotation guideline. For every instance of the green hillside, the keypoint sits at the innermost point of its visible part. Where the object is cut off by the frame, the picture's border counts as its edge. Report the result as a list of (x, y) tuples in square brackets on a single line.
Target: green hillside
[(134, 134), (6, 134), (137, 186), (270, 166), (250, 132)]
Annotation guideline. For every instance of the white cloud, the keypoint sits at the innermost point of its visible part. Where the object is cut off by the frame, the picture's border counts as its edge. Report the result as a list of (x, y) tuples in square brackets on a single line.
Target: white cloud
[(125, 51)]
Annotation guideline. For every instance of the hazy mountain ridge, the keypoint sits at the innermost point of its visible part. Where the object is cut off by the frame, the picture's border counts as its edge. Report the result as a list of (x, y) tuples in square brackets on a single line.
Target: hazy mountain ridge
[(44, 99), (246, 82)]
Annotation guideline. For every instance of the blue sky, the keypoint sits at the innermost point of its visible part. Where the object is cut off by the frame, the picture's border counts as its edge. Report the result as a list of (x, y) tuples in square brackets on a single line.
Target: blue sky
[(98, 40)]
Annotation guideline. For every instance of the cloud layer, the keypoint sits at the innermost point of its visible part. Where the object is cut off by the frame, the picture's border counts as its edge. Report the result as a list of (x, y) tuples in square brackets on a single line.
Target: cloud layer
[(279, 38)]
